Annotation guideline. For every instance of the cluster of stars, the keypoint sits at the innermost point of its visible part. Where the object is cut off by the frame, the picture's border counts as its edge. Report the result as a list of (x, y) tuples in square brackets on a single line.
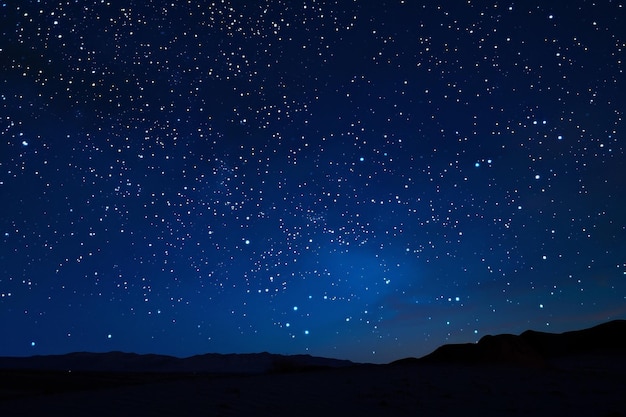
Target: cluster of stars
[(307, 176)]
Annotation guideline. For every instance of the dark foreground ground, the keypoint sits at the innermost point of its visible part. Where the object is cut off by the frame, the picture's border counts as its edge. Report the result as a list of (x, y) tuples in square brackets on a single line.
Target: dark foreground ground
[(575, 386)]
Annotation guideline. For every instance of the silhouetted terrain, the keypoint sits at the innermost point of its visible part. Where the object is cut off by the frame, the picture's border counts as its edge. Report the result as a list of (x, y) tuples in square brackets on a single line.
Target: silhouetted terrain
[(577, 373), (537, 349), (208, 363)]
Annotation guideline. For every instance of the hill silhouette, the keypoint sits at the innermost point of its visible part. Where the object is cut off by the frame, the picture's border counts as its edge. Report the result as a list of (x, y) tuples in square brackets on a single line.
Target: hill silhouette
[(536, 349), (578, 373), (531, 348), (248, 363)]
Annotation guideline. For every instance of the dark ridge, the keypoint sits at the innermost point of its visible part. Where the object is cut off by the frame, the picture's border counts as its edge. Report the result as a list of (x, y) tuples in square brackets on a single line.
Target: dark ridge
[(406, 361), (603, 337), (208, 363), (533, 348)]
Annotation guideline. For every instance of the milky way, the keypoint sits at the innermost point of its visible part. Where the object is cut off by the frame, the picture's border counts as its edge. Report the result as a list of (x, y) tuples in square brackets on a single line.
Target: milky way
[(354, 179)]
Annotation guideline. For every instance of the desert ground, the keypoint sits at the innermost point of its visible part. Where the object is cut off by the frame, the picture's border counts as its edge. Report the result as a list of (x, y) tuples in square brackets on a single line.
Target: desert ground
[(586, 385)]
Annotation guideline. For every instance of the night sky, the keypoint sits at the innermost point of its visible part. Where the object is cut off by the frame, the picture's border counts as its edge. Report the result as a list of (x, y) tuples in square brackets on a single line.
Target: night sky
[(354, 179)]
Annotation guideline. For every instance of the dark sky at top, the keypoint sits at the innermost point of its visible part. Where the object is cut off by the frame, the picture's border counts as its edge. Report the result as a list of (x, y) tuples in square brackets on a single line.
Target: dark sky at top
[(354, 179)]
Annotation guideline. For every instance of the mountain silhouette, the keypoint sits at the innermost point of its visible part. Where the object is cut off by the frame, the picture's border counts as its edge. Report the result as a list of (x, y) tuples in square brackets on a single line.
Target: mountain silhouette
[(531, 349), (207, 363), (536, 349)]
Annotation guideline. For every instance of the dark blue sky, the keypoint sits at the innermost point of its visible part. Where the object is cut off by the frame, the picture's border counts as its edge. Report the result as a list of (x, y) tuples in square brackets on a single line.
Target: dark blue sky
[(354, 179)]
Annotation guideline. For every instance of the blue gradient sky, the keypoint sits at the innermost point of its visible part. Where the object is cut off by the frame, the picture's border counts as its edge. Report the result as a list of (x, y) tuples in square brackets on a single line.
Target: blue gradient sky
[(360, 180)]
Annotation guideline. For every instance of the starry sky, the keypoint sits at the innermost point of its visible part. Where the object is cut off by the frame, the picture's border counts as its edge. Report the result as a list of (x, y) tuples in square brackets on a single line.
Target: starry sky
[(354, 179)]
